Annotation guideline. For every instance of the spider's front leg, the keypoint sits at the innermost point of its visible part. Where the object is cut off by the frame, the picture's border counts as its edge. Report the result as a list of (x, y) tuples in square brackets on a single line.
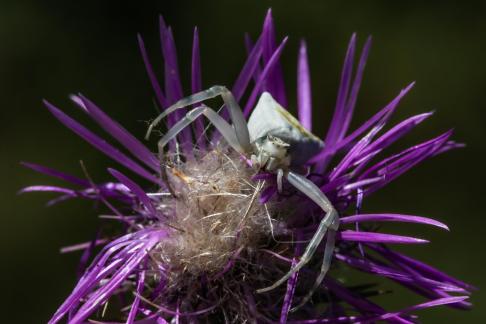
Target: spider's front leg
[(219, 123), (329, 224), (238, 119)]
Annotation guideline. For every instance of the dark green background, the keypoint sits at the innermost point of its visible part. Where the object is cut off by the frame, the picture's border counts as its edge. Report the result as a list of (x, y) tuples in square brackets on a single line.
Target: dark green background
[(49, 49)]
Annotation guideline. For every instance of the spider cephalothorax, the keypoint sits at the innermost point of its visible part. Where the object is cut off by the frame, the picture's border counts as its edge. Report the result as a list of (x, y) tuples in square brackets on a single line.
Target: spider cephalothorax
[(271, 154), (273, 140)]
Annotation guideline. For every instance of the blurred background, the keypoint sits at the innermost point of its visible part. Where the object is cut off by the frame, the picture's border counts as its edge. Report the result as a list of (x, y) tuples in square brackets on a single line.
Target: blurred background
[(49, 49)]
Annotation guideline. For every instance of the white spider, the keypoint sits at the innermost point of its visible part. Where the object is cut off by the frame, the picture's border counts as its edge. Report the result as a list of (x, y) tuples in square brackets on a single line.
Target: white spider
[(274, 141)]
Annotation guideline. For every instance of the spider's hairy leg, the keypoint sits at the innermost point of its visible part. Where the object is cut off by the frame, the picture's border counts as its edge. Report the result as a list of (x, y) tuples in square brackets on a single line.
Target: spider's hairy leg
[(329, 221), (221, 125), (237, 117)]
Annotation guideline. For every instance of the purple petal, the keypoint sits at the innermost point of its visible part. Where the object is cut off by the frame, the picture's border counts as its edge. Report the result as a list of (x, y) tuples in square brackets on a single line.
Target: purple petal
[(376, 268), (251, 69), (249, 49), (99, 143), (289, 294), (361, 304), (136, 302), (437, 302), (267, 194), (357, 319), (353, 97), (151, 74), (59, 199), (268, 68), (82, 246), (263, 176), (335, 184), (422, 268), (56, 174), (231, 262), (356, 150), (196, 86), (361, 183), (398, 164), (121, 134), (135, 189), (374, 237), (274, 82), (396, 132), (115, 254), (450, 145), (392, 218), (433, 303), (92, 274), (102, 294), (406, 155), (291, 284), (339, 111), (248, 70), (334, 320), (86, 255), (162, 309), (422, 285), (387, 110), (304, 96), (173, 87), (172, 81), (378, 116), (373, 268), (56, 189)]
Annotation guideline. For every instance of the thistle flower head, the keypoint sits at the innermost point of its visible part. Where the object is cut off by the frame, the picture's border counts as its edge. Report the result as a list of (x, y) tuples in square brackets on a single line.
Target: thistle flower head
[(201, 230)]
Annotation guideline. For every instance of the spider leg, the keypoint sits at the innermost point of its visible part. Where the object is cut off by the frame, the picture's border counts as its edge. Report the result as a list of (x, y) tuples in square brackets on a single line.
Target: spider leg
[(280, 175), (329, 221), (221, 125), (237, 117), (326, 264)]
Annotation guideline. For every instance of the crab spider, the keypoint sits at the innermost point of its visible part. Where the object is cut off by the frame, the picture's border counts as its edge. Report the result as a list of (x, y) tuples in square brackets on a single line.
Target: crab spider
[(274, 141)]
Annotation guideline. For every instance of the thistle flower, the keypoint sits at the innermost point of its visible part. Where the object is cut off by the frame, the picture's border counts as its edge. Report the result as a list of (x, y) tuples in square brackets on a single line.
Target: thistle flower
[(200, 231)]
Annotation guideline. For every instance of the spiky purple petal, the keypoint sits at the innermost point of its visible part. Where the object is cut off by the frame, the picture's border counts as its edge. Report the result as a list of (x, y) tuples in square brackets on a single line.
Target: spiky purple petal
[(248, 70), (134, 309), (266, 70), (196, 86), (135, 189), (325, 154), (392, 218), (275, 81), (375, 237), (304, 96), (337, 123), (56, 174), (99, 143), (162, 101), (173, 86), (121, 134), (353, 96)]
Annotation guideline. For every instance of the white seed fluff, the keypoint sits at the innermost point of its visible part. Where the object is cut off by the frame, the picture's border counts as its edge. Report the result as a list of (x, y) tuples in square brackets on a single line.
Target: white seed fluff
[(215, 216)]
